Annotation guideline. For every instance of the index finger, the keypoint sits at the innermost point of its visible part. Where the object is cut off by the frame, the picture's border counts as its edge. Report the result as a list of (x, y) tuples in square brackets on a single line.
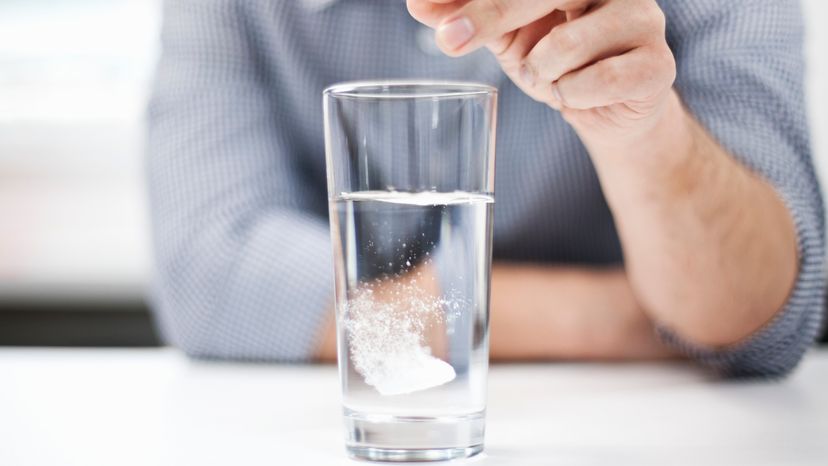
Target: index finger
[(431, 12), (481, 21)]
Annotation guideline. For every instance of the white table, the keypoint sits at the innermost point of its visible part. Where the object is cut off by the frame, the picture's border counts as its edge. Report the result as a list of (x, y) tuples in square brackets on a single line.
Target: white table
[(154, 407)]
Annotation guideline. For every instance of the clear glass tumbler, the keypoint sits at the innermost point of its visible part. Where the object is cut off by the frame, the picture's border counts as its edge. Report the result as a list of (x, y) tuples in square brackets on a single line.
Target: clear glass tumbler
[(411, 192)]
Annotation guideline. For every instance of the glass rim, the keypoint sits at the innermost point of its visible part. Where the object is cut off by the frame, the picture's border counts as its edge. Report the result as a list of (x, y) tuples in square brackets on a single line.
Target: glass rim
[(401, 89)]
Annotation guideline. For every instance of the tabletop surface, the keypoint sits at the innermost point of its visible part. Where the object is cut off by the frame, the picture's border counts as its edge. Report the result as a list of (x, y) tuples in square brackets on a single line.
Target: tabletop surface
[(154, 407)]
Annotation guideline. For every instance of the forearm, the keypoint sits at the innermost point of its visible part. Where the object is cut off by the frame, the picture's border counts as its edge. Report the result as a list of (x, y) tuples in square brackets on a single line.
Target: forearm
[(544, 312), (326, 341), (710, 248), (236, 296)]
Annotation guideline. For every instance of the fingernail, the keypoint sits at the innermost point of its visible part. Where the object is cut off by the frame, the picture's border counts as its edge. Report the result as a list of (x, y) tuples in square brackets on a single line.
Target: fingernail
[(456, 33)]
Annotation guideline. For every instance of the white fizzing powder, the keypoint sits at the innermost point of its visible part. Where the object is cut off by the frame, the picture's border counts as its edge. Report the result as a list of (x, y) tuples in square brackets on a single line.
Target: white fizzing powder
[(389, 322), (387, 337)]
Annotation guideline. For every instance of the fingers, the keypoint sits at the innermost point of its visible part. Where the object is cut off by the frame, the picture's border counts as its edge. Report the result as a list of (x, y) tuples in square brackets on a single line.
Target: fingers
[(511, 49), (639, 75), (432, 12), (603, 32), (577, 54), (479, 22)]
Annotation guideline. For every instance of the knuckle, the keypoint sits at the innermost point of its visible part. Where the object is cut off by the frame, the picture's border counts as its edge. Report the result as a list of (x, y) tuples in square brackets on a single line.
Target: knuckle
[(503, 47), (652, 17), (612, 74), (661, 60), (669, 62)]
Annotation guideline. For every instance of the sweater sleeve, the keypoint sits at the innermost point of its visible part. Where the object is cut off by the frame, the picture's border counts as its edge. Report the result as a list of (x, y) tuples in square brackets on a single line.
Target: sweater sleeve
[(740, 72), (242, 248)]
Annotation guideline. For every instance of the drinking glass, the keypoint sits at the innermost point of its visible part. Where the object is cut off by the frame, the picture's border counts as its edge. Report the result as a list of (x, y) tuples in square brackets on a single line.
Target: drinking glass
[(410, 170)]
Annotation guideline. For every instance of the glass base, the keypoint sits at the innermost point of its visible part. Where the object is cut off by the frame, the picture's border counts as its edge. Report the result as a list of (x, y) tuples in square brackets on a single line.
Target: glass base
[(421, 438), (440, 454)]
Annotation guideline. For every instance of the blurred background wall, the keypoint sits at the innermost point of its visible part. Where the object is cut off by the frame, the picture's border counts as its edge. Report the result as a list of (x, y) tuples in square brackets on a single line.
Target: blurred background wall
[(74, 243), (74, 237)]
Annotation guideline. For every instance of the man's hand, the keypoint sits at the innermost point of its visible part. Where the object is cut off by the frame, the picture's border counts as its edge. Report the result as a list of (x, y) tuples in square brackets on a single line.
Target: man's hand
[(604, 63), (709, 247)]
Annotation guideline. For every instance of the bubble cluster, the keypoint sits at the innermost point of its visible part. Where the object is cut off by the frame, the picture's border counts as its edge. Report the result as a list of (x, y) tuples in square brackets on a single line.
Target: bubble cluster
[(387, 321)]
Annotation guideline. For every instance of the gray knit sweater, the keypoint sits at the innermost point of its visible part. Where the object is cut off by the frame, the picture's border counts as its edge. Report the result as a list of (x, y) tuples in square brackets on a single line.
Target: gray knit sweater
[(237, 176)]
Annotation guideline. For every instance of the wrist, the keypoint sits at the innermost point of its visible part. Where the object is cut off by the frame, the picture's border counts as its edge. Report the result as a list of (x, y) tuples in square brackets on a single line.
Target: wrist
[(659, 161)]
